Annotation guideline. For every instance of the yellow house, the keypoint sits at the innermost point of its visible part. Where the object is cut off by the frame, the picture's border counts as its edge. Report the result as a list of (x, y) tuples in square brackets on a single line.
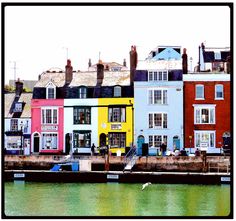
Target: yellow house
[(115, 123)]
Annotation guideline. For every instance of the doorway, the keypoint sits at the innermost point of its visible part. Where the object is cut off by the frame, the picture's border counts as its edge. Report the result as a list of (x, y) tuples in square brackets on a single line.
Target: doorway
[(176, 143), (140, 142), (102, 140), (36, 143), (67, 143)]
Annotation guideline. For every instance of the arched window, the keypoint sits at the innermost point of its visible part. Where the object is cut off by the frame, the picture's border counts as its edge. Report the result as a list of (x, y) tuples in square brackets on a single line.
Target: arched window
[(117, 91), (82, 92), (50, 91)]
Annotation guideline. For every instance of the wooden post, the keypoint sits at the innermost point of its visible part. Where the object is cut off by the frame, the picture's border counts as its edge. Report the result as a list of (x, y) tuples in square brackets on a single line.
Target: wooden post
[(204, 159)]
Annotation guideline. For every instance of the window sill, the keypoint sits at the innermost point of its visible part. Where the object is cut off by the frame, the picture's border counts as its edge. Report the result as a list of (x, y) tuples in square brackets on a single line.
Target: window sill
[(199, 99), (204, 123), (219, 98)]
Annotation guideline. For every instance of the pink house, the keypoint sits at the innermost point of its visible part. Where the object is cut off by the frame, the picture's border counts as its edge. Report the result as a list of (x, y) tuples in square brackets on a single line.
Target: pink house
[(47, 126)]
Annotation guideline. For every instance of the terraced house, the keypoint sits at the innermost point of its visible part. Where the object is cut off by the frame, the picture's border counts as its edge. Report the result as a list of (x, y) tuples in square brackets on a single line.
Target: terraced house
[(72, 110), (207, 102), (158, 99), (17, 125)]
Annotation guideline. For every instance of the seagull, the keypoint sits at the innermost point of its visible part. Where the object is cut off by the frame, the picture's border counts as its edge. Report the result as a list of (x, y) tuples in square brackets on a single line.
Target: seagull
[(145, 185)]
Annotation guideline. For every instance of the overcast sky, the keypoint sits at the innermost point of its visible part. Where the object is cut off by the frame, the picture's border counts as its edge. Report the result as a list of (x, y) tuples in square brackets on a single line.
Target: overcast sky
[(37, 37)]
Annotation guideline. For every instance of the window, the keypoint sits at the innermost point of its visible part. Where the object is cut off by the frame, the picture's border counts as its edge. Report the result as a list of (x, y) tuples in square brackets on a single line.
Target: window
[(49, 141), (51, 91), (158, 120), (14, 124), (156, 140), (204, 114), (49, 116), (82, 115), (219, 91), (117, 91), (157, 96), (116, 114), (206, 137), (199, 91), (18, 107), (82, 92), (157, 76), (117, 139), (82, 138)]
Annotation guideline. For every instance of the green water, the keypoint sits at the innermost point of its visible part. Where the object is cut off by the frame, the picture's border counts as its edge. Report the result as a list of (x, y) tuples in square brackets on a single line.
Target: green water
[(113, 199)]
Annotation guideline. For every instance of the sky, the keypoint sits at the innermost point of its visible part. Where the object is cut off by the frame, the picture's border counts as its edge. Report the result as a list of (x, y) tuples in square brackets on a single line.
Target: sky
[(38, 38)]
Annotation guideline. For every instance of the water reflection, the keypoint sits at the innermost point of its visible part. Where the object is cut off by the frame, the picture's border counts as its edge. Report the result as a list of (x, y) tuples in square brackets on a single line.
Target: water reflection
[(114, 199)]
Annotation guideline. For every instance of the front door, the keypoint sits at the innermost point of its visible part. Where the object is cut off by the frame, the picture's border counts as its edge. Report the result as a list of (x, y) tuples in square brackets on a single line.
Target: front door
[(176, 142), (67, 149), (140, 142), (102, 140), (36, 143)]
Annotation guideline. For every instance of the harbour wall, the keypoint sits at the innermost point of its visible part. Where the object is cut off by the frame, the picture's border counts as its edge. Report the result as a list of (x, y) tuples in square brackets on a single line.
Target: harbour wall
[(151, 163)]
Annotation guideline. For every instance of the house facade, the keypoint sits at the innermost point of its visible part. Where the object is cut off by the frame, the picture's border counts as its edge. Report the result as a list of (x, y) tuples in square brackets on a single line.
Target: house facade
[(17, 121), (207, 110), (70, 109), (47, 111), (158, 100)]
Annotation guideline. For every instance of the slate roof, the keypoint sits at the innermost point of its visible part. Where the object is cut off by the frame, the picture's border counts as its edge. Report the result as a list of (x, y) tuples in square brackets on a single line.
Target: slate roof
[(9, 99), (111, 78), (58, 78)]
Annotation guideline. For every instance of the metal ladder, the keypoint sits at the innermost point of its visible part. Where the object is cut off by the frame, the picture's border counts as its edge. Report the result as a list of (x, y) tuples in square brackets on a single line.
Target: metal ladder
[(130, 159)]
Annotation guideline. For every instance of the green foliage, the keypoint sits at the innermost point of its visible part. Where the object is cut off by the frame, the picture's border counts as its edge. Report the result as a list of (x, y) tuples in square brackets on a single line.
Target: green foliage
[(9, 88)]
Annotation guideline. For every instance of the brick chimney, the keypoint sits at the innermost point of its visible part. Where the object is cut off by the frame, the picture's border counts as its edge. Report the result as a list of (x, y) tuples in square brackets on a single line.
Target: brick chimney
[(19, 87), (69, 72), (185, 61), (133, 62), (100, 72)]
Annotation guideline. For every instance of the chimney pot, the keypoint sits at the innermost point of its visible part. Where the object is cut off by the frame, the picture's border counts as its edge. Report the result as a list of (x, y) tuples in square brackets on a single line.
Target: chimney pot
[(19, 87), (185, 61), (124, 63)]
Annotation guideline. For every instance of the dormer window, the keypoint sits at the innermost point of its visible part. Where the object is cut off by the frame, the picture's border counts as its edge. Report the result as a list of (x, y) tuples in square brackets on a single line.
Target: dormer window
[(51, 91), (82, 92), (18, 107), (117, 91)]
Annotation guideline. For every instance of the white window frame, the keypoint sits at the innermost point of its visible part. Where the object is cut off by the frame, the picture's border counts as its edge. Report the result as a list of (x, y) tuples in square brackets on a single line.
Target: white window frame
[(18, 107), (152, 143), (153, 75), (199, 108), (42, 135), (153, 120), (219, 98), (85, 95), (152, 93), (50, 85), (203, 92), (43, 121), (196, 132), (117, 91), (14, 124)]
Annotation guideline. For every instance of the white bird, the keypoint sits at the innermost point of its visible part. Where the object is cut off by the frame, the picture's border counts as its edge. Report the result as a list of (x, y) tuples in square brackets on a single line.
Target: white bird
[(145, 185)]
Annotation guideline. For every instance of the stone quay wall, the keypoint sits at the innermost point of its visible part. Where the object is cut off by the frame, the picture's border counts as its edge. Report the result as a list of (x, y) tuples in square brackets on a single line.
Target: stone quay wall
[(150, 163)]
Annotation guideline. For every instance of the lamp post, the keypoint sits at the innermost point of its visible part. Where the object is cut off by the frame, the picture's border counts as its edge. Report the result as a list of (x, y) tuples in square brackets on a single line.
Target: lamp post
[(21, 139)]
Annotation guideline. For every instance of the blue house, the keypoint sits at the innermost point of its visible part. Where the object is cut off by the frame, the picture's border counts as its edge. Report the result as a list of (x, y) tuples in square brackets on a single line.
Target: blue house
[(158, 100)]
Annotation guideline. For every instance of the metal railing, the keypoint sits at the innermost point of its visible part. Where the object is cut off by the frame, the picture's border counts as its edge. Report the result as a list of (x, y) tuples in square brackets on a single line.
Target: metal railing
[(130, 157)]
